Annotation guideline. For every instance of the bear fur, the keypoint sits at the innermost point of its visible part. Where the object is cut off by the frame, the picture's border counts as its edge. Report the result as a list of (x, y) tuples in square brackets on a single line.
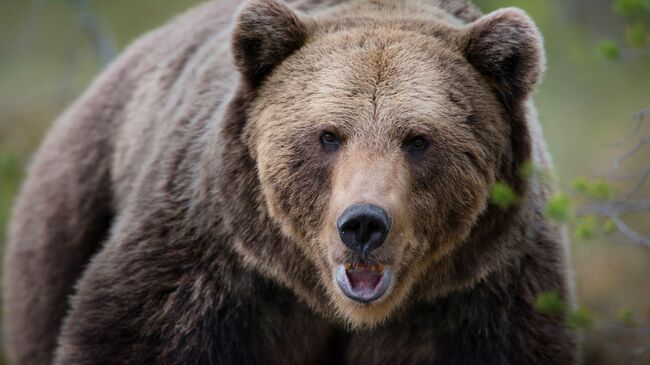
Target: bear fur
[(181, 211)]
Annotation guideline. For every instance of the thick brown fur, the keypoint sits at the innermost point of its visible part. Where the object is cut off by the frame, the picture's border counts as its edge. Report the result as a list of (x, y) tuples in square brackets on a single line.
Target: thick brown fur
[(182, 211)]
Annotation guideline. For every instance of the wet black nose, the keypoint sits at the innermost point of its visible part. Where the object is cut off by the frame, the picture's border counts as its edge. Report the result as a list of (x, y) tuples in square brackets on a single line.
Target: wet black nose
[(363, 228)]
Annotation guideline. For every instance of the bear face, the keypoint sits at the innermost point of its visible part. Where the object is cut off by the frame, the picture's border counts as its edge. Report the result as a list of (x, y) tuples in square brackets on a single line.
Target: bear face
[(376, 142)]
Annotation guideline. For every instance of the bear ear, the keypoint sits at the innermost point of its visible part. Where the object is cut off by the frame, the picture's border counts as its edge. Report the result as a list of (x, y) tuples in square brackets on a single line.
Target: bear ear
[(506, 47), (265, 33)]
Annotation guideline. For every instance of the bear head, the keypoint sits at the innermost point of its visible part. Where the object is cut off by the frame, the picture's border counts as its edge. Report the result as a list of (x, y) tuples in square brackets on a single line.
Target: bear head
[(361, 150)]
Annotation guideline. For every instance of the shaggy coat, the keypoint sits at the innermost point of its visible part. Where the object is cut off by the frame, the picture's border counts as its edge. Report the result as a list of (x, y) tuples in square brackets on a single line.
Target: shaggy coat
[(180, 212)]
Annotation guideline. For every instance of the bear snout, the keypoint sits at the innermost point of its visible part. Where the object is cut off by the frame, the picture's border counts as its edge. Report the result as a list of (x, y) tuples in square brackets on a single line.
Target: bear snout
[(363, 227)]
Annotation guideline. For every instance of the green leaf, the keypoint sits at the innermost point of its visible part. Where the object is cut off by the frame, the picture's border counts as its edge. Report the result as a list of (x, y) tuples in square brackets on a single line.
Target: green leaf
[(631, 8), (609, 50), (599, 189), (558, 208), (526, 169), (636, 35), (502, 195), (609, 227), (581, 318), (626, 315), (585, 229), (581, 185), (550, 303)]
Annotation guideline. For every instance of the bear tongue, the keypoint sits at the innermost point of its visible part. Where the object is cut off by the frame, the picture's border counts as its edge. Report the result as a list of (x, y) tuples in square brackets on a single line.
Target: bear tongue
[(363, 281)]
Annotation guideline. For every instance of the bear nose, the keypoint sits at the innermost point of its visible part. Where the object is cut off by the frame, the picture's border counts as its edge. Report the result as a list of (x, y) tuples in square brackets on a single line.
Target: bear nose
[(363, 227)]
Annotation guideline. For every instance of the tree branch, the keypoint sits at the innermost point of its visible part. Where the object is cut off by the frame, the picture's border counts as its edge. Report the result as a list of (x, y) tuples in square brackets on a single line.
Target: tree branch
[(617, 208), (639, 120), (100, 37), (607, 209), (629, 234)]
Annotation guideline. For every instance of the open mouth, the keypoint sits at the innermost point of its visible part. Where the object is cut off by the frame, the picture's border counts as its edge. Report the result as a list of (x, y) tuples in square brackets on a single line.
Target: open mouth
[(363, 282)]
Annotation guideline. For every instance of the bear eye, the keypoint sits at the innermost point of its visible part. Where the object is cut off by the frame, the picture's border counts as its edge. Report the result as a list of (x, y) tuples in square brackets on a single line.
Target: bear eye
[(416, 144), (329, 141)]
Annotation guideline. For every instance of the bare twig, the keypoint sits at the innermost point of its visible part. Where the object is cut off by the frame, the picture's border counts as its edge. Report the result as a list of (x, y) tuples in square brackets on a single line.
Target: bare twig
[(639, 119), (628, 350), (619, 330), (642, 179), (629, 153), (632, 175), (609, 331), (614, 210), (100, 38), (629, 234), (610, 208), (98, 34)]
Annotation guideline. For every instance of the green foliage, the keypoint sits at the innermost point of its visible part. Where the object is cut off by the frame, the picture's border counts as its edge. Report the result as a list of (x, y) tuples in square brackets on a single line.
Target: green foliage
[(558, 208), (609, 227), (631, 8), (581, 185), (599, 189), (626, 315), (586, 228), (526, 169), (581, 318), (636, 35), (609, 50), (550, 303), (502, 195), (596, 189)]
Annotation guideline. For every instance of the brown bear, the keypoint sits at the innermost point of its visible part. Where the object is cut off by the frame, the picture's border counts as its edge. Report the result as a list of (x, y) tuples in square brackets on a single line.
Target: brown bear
[(306, 184)]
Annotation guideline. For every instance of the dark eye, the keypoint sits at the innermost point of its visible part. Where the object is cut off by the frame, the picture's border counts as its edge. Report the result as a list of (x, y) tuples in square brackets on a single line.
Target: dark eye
[(329, 141), (416, 144)]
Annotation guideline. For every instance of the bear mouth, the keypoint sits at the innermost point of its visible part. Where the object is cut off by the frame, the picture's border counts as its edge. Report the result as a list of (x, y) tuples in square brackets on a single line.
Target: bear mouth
[(363, 283)]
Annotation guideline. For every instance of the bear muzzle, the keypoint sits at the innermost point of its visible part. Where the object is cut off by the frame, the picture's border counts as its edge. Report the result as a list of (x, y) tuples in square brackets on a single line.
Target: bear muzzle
[(363, 283), (363, 228)]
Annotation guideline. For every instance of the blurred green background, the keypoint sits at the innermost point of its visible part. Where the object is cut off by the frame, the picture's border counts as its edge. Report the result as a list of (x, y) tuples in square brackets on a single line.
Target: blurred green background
[(49, 53)]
